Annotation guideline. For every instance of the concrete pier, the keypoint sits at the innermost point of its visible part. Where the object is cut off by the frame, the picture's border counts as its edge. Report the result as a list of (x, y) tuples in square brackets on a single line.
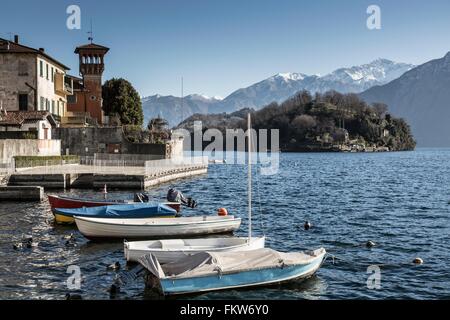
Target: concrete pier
[(89, 177), (21, 193)]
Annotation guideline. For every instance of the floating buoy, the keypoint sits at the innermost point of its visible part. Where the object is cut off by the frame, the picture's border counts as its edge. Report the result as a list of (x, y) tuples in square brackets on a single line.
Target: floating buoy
[(114, 266), (105, 192), (417, 261), (370, 244), (307, 225), (222, 212)]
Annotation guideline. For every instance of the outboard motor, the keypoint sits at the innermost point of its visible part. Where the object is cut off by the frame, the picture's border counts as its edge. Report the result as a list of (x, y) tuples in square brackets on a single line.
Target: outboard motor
[(141, 197), (174, 195)]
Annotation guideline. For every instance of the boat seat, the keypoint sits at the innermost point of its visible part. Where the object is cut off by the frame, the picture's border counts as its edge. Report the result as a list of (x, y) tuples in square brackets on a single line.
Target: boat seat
[(171, 243)]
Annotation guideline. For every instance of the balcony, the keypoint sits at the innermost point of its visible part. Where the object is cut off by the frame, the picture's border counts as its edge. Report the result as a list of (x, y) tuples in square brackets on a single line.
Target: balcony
[(78, 119), (63, 85)]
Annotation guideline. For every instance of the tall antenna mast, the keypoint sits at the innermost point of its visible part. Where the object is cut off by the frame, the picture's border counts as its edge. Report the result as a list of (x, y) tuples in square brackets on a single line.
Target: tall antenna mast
[(91, 34), (249, 177)]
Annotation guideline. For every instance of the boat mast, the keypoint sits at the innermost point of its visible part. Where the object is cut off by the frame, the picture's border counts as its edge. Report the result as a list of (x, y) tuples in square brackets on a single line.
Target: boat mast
[(249, 179)]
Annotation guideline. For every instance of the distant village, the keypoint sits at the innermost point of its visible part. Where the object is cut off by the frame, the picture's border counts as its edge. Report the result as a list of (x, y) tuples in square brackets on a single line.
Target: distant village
[(47, 112)]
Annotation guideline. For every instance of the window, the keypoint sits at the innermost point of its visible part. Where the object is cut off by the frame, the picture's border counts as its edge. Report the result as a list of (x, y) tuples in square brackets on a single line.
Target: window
[(23, 68), (53, 75), (47, 105), (72, 99), (23, 102), (53, 110), (47, 71), (42, 105), (41, 68)]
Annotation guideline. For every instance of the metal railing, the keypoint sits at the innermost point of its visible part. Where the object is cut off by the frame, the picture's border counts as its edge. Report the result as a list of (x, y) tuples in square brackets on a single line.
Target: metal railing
[(91, 165)]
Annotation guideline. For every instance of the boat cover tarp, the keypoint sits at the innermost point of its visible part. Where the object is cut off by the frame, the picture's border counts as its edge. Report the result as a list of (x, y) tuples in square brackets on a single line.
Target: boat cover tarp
[(204, 263), (139, 210)]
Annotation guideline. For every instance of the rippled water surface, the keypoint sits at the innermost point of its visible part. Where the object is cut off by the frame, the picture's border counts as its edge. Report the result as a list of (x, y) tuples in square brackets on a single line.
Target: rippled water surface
[(398, 200)]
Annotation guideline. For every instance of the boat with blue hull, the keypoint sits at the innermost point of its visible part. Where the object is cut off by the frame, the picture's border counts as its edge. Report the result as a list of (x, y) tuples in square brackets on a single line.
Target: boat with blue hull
[(138, 210), (212, 271)]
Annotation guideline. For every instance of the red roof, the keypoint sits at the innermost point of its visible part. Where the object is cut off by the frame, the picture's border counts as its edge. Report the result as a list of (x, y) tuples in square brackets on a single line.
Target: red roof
[(12, 47), (91, 46), (17, 118)]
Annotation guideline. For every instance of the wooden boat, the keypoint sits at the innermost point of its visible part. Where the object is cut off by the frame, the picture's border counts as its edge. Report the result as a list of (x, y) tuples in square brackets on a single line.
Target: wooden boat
[(211, 271), (98, 228), (136, 210), (66, 202), (171, 250)]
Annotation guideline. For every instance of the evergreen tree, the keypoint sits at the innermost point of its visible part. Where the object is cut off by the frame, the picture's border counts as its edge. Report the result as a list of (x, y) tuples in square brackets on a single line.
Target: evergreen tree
[(121, 99)]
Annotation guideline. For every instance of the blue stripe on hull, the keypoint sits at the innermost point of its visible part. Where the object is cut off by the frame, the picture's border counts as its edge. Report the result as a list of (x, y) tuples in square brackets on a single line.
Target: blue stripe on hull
[(240, 279)]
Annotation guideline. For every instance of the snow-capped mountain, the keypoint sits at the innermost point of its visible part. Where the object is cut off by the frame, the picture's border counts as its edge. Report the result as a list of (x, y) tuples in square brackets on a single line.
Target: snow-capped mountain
[(422, 97), (276, 89)]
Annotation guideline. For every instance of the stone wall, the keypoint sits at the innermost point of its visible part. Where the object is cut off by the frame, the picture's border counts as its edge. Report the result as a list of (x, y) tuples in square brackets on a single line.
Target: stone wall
[(13, 82), (104, 140), (28, 147)]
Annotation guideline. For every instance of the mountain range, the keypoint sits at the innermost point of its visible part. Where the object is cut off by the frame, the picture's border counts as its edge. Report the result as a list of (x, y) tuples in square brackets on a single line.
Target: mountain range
[(275, 89), (422, 97)]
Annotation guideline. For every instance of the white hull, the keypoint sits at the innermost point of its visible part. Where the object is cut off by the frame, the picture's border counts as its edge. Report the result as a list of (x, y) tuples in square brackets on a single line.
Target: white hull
[(156, 227), (167, 251)]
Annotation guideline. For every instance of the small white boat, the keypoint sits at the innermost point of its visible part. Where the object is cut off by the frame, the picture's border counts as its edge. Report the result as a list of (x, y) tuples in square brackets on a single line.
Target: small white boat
[(211, 271), (94, 228), (171, 250)]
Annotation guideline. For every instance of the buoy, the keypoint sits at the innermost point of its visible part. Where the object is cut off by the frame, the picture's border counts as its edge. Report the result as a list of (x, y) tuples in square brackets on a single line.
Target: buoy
[(417, 261), (370, 244), (105, 191), (222, 212), (307, 225)]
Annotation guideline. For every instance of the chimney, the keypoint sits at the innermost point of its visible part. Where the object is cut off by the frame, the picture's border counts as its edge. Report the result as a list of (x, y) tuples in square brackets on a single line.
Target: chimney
[(41, 49), (16, 39)]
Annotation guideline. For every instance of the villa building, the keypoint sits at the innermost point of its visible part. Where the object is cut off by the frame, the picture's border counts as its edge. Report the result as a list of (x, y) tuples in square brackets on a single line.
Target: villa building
[(31, 80)]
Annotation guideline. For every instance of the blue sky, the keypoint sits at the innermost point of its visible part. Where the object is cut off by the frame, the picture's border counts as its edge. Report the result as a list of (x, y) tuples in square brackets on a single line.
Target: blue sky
[(219, 46)]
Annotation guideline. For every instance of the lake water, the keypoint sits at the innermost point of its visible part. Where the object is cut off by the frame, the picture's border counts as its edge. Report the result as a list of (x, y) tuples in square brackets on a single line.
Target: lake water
[(398, 200)]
